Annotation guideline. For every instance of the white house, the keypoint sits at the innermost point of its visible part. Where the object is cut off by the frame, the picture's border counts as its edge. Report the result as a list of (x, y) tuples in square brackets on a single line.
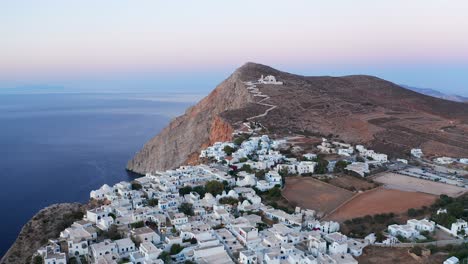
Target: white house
[(269, 79), (178, 218), (406, 231), (452, 260), (105, 247), (247, 257), (338, 243), (361, 168), (94, 215), (55, 258), (305, 167), (422, 225), (101, 193), (458, 226), (145, 234), (444, 160), (147, 253), (125, 246), (417, 153), (273, 178)]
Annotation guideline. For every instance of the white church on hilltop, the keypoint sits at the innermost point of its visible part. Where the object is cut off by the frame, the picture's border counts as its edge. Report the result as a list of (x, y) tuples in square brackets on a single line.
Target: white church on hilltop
[(269, 79)]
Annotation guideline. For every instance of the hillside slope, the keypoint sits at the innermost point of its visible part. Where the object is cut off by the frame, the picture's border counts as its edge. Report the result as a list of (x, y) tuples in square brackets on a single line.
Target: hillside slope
[(46, 224), (358, 109)]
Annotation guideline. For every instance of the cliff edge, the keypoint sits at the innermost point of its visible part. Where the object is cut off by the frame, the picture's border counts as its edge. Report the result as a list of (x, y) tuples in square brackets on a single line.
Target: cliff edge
[(46, 224)]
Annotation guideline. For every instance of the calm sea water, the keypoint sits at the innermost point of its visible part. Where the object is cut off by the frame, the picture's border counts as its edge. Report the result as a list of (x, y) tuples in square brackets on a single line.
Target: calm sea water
[(57, 147)]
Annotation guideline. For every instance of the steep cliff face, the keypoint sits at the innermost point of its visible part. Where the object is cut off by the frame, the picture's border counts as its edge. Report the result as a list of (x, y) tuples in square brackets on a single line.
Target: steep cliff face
[(46, 224), (201, 125), (358, 109)]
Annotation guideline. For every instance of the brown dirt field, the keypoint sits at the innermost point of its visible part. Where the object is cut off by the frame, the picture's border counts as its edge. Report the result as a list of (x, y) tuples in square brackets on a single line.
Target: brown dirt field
[(381, 200), (407, 183), (383, 255), (349, 182), (313, 194)]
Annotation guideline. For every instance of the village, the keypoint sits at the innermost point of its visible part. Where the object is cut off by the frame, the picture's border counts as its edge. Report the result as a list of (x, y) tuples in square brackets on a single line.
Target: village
[(260, 200), (214, 213)]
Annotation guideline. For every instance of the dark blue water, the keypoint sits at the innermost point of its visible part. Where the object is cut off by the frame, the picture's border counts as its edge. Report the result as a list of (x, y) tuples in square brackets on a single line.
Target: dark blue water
[(57, 147)]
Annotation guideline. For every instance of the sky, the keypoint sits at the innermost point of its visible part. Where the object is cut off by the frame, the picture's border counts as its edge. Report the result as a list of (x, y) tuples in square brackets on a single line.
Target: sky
[(193, 45)]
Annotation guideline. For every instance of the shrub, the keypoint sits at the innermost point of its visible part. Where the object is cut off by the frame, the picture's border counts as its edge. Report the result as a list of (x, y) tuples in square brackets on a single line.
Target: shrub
[(228, 200), (200, 190), (229, 150), (214, 187), (137, 224), (185, 190), (186, 208), (176, 249), (340, 166), (136, 186), (38, 260), (153, 202)]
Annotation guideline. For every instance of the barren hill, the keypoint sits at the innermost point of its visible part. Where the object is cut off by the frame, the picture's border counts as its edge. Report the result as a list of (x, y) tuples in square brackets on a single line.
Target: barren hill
[(357, 109)]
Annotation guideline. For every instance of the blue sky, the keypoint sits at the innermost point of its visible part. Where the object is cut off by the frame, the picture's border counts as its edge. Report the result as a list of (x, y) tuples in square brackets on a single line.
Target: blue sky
[(193, 45)]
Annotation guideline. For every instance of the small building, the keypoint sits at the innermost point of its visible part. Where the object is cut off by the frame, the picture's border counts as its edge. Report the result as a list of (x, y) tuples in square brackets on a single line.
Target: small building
[(417, 153), (422, 225), (269, 79), (452, 260), (145, 234), (125, 246)]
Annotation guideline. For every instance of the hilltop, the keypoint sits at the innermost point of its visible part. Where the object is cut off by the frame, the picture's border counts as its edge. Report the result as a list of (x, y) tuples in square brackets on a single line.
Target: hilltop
[(357, 109)]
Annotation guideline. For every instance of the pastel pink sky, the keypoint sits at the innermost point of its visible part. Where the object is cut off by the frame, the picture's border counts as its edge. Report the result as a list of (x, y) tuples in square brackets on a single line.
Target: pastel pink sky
[(65, 40)]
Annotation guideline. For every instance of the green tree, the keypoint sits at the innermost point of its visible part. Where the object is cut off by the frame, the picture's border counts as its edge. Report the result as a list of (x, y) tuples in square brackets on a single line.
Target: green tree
[(176, 249), (214, 187), (186, 208), (228, 200), (340, 166), (38, 260), (275, 192), (112, 233), (200, 190), (137, 224), (153, 202), (112, 215), (321, 166), (185, 190), (136, 186), (360, 159), (228, 150), (247, 168), (166, 257)]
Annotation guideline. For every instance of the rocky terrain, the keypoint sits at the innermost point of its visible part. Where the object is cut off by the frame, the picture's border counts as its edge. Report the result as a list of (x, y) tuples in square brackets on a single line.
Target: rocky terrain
[(357, 109), (45, 225)]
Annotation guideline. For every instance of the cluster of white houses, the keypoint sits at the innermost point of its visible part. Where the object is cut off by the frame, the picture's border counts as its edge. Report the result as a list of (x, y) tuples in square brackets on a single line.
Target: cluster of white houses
[(214, 232), (148, 217)]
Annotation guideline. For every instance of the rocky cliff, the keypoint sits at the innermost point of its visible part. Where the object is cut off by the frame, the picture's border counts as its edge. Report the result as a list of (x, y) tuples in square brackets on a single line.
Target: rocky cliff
[(357, 109), (200, 126), (46, 224)]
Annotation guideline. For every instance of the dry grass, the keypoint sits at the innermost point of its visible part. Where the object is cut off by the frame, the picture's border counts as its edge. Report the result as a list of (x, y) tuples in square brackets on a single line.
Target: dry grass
[(352, 183), (313, 194), (381, 200), (383, 255)]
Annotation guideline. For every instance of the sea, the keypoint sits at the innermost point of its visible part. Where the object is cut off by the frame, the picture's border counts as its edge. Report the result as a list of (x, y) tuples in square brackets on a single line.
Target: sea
[(57, 147)]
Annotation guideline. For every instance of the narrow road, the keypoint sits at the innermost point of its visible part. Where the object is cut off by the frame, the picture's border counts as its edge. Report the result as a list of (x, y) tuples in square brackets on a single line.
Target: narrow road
[(252, 88)]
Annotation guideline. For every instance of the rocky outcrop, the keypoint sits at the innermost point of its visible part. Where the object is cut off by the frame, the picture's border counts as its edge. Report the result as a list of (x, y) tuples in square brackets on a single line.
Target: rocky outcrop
[(46, 224), (181, 141), (358, 109)]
